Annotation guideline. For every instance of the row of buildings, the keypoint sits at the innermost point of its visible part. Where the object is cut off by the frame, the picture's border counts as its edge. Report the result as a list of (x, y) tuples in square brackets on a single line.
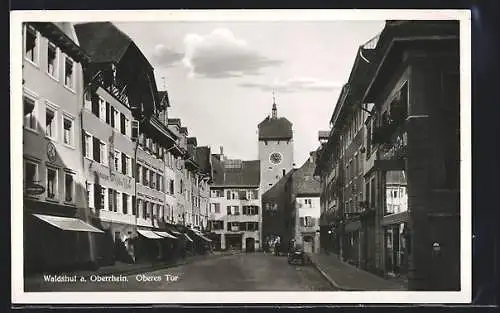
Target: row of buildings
[(108, 176), (389, 165)]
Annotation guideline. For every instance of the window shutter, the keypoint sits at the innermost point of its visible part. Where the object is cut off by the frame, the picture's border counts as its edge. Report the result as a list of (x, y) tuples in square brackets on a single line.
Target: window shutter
[(301, 221), (256, 210)]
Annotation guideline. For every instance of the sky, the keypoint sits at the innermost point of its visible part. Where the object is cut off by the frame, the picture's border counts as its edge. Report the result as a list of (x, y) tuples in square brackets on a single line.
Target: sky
[(220, 75)]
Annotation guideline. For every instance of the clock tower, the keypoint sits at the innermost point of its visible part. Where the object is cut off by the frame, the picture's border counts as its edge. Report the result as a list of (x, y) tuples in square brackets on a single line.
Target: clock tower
[(275, 149)]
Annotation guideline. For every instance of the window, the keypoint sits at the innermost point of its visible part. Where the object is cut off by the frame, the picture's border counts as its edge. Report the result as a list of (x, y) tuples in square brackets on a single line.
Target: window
[(31, 44), (30, 173), (69, 187), (116, 119), (52, 60), (124, 164), (140, 210), (228, 195), (50, 123), (51, 183), (138, 174), (123, 124), (111, 199), (103, 156), (152, 179), (125, 203), (68, 131), (88, 100), (172, 187), (308, 203), (29, 113), (144, 176), (90, 195), (117, 160), (100, 195), (228, 208), (107, 112), (87, 146), (158, 182), (69, 77), (148, 209), (127, 127)]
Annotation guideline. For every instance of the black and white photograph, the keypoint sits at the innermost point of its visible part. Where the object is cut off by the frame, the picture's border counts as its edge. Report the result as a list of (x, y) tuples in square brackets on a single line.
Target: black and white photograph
[(248, 156)]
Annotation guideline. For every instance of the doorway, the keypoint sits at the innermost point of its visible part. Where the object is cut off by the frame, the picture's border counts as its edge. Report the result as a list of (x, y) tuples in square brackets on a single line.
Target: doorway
[(308, 244), (250, 245)]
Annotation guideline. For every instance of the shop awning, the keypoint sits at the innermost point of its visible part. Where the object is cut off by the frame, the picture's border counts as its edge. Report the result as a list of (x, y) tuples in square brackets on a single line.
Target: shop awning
[(188, 238), (202, 237), (149, 234), (68, 223), (165, 234)]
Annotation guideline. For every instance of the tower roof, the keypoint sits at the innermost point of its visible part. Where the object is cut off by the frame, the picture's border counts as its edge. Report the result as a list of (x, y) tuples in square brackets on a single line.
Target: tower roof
[(275, 129)]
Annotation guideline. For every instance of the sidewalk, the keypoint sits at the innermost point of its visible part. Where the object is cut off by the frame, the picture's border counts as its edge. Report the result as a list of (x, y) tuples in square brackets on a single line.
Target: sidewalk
[(350, 278), (128, 269)]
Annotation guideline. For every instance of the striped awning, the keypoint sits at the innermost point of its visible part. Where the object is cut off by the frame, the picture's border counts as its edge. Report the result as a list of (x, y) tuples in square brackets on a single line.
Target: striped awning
[(68, 223), (165, 234), (188, 238), (149, 234)]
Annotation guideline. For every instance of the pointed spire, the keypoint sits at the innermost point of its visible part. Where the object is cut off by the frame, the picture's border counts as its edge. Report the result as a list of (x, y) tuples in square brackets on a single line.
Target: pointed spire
[(275, 110)]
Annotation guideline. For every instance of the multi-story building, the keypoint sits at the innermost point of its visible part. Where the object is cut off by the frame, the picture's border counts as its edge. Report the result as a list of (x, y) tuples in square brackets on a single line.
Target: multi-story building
[(179, 185), (235, 204), (406, 82), (292, 208), (56, 232), (192, 178), (126, 203), (306, 201), (204, 161)]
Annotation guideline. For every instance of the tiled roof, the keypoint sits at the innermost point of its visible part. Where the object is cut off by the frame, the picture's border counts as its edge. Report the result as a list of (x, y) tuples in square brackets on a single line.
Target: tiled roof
[(192, 141), (303, 180), (202, 157), (279, 128), (103, 41), (247, 173)]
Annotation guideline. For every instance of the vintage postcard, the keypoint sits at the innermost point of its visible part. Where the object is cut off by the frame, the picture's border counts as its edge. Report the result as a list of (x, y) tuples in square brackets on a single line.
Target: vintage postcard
[(275, 156)]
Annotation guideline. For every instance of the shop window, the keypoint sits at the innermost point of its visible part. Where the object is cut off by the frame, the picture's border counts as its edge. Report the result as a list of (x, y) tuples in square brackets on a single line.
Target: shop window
[(31, 44), (52, 183), (69, 77), (29, 112), (69, 187)]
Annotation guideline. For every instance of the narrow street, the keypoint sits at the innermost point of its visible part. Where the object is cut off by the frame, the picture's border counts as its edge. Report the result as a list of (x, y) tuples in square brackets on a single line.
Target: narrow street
[(240, 272)]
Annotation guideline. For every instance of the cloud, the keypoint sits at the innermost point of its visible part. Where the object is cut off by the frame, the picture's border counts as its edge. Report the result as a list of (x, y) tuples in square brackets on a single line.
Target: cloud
[(220, 55), (295, 85), (166, 57)]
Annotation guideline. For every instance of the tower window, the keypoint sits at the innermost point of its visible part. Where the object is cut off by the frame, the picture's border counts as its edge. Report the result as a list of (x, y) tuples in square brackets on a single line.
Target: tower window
[(284, 172)]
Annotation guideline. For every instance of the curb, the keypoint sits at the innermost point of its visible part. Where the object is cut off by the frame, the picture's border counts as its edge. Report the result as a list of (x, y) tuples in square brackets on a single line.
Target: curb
[(330, 280), (159, 266)]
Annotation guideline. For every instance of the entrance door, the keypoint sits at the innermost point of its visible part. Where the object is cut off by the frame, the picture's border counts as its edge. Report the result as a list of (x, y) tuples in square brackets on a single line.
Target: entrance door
[(250, 244), (308, 244)]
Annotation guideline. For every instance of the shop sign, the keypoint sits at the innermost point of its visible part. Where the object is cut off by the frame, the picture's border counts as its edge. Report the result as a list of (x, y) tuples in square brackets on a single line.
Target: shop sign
[(34, 189), (118, 179)]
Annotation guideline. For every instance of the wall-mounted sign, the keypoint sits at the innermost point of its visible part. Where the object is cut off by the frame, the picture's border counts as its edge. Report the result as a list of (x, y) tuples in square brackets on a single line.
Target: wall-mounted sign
[(119, 179), (34, 189), (51, 152)]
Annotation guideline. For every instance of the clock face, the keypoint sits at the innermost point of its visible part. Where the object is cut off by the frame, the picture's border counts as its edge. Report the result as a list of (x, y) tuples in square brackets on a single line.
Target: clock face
[(275, 158)]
